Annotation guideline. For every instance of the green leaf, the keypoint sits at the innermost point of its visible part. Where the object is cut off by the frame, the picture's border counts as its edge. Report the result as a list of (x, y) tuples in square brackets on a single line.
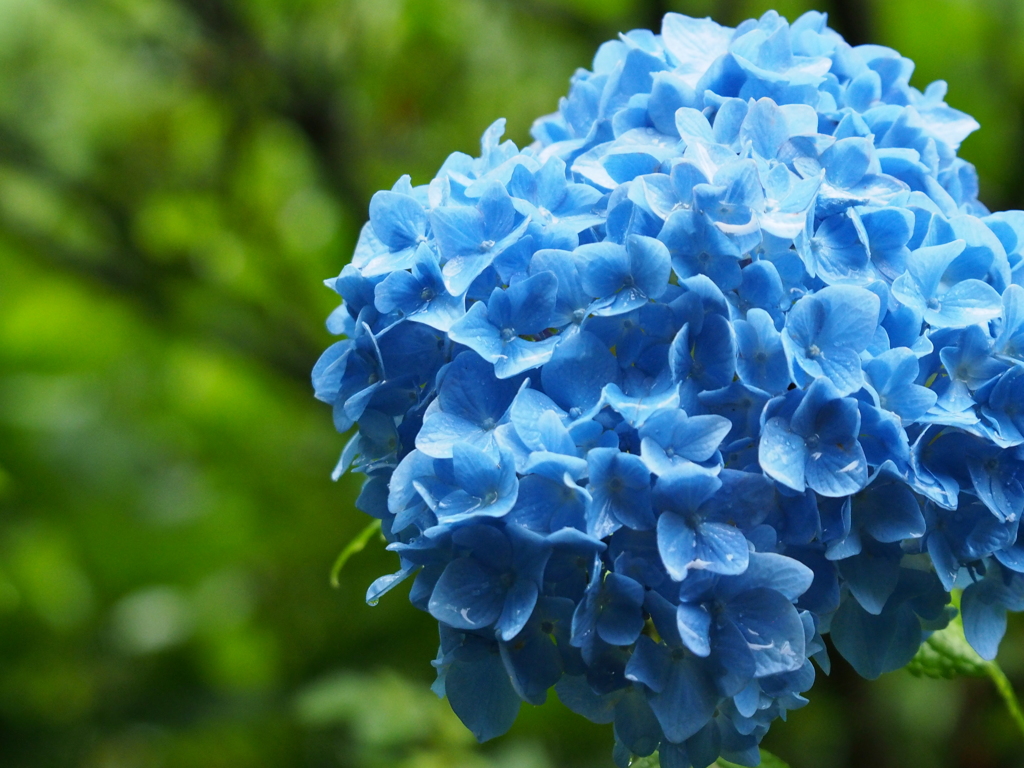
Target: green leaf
[(354, 547), (947, 654), (768, 760)]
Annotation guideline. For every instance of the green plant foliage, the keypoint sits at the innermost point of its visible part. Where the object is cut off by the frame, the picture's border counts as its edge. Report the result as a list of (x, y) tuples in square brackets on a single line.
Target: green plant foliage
[(395, 722), (768, 760), (947, 654)]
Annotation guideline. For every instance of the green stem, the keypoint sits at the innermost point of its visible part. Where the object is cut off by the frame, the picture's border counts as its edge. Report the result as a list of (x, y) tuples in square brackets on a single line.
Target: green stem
[(1006, 691), (357, 545)]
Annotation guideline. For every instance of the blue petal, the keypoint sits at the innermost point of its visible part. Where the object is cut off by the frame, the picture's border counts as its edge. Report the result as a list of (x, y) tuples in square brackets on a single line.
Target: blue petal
[(532, 301), (579, 368), (519, 605), (476, 471), (649, 664), (521, 355), (603, 268), (636, 410), (693, 43), (876, 644), (693, 124), (685, 488), (761, 361), (620, 488), (694, 624), (398, 220), (892, 375), (782, 454), (533, 664), (720, 548), (873, 575), (965, 303), (468, 595), (771, 628), (474, 329), (984, 619), (826, 332), (768, 570), (686, 702), (620, 620), (441, 431), (888, 509), (649, 265), (482, 696), (677, 544)]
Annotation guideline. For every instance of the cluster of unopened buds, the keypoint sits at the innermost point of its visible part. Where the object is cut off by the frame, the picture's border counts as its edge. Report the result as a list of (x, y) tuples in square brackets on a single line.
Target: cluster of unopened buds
[(730, 358)]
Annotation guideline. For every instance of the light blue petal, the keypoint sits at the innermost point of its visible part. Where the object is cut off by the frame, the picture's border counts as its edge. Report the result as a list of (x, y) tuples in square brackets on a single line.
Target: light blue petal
[(520, 355), (579, 368), (636, 410), (474, 330), (720, 548), (694, 624), (966, 303), (398, 220), (782, 454), (677, 544), (650, 265)]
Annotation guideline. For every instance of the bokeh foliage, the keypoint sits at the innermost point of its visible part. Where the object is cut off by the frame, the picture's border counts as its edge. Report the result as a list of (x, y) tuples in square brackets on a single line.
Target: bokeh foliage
[(176, 178)]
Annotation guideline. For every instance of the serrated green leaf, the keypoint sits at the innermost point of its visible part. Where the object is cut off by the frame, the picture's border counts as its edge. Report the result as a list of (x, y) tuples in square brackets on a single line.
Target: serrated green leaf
[(947, 654)]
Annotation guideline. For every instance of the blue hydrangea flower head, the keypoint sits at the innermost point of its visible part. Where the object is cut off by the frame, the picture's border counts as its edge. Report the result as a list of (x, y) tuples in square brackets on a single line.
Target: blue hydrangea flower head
[(730, 357)]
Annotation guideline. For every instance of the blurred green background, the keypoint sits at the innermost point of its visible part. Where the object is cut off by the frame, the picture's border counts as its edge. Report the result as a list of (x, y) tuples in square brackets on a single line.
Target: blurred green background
[(176, 179)]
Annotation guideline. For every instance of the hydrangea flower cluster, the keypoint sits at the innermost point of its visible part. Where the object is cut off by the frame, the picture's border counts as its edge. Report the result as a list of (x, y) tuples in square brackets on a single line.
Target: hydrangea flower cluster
[(730, 358)]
